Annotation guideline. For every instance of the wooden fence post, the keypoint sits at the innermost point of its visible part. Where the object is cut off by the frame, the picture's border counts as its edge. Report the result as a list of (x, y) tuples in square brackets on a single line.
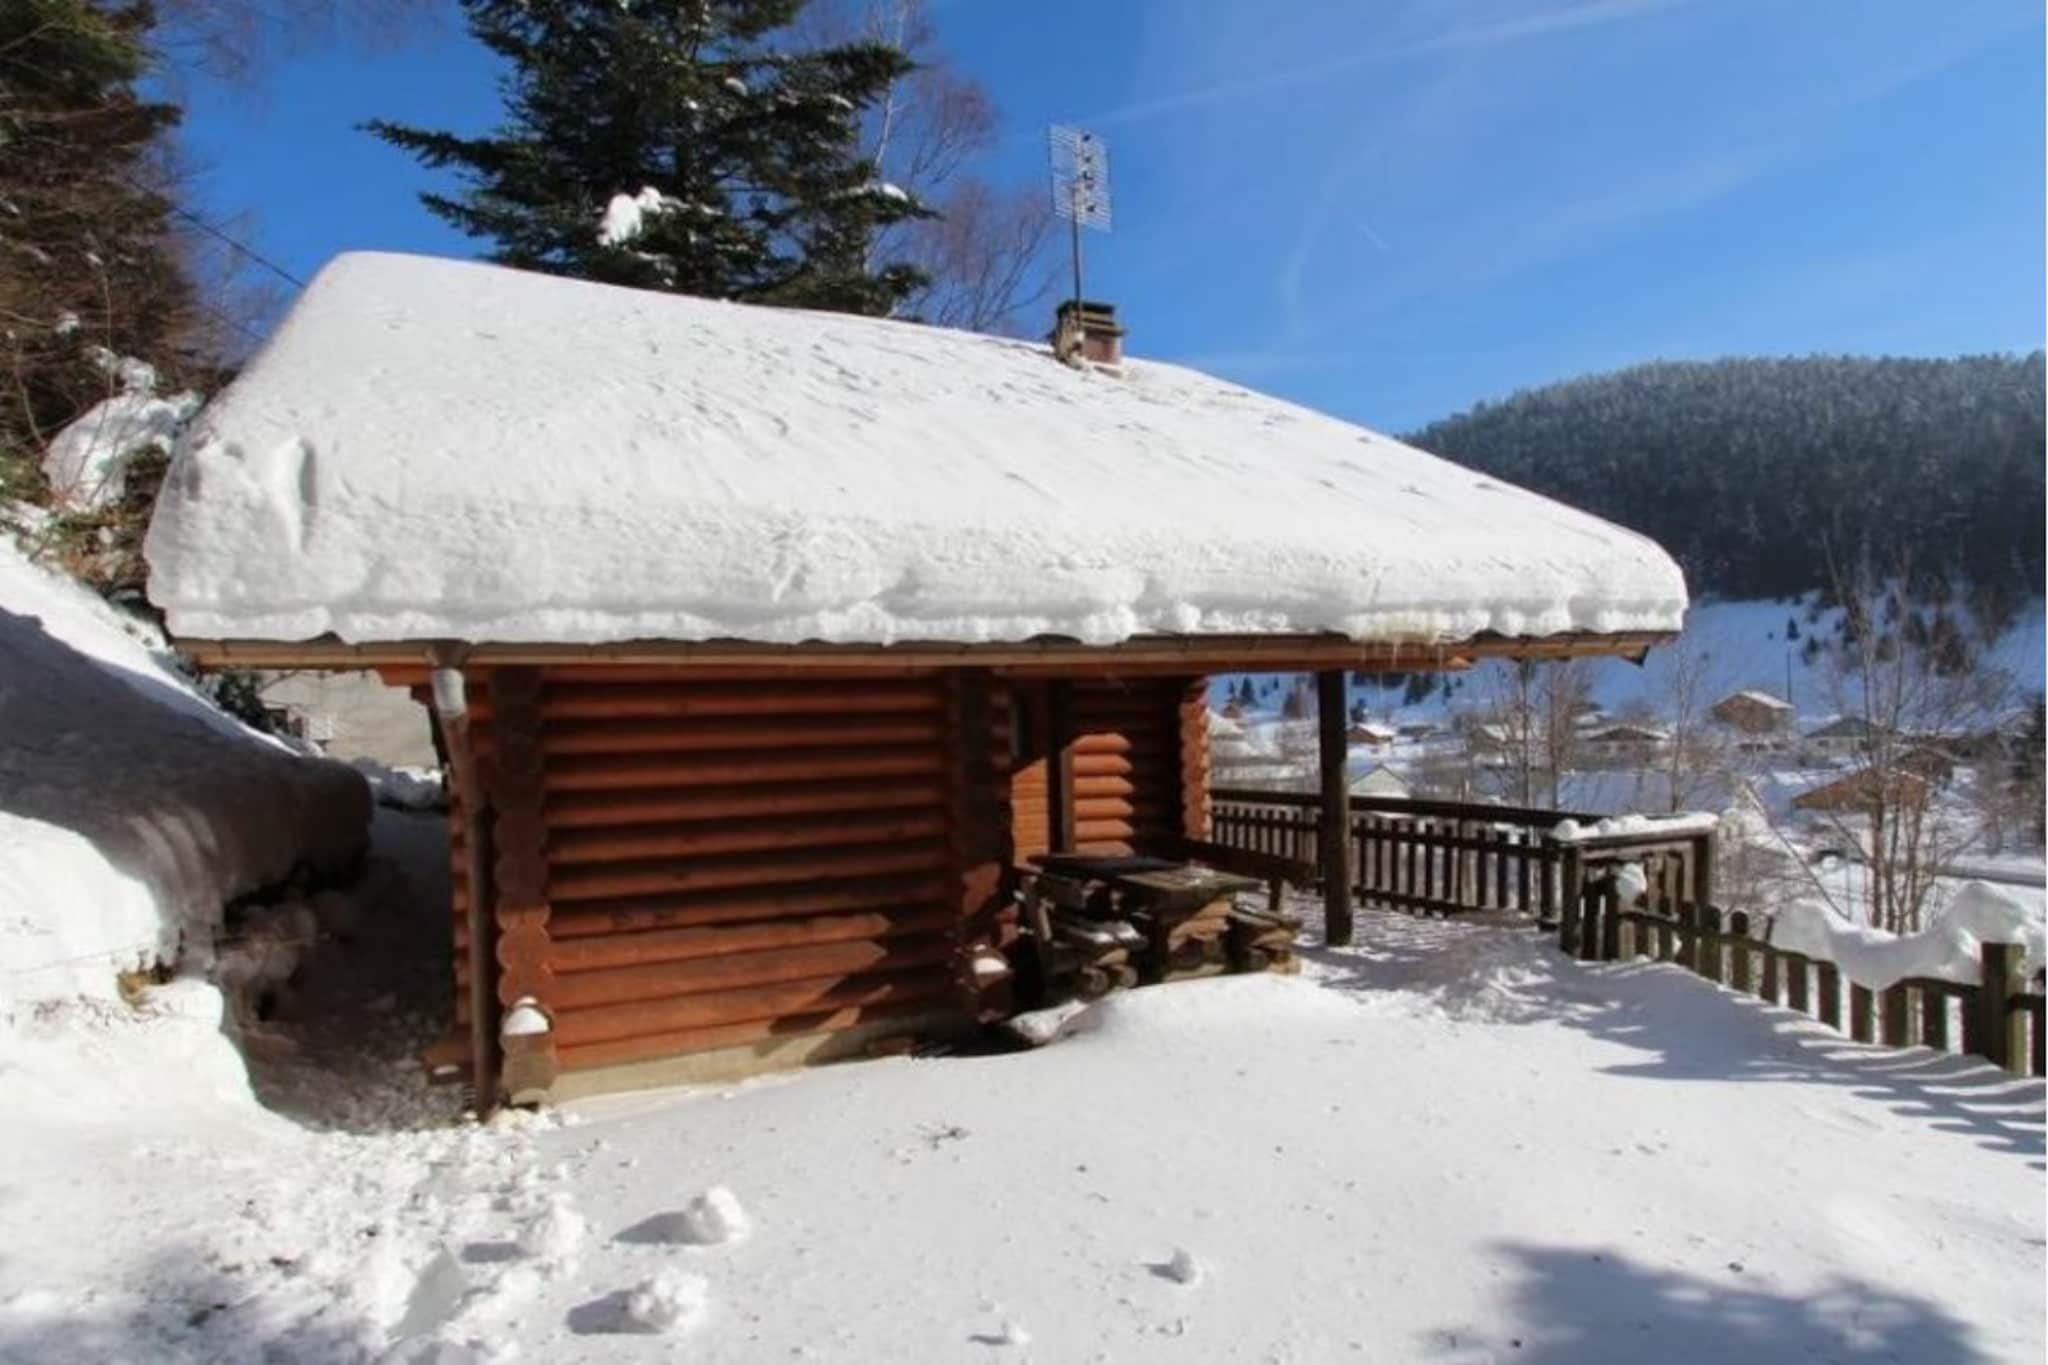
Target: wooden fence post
[(1830, 995), (1571, 893), (1934, 1018), (1894, 1018), (1860, 1001), (1795, 983), (1995, 1023), (1610, 923), (1738, 929), (1707, 948), (1703, 869)]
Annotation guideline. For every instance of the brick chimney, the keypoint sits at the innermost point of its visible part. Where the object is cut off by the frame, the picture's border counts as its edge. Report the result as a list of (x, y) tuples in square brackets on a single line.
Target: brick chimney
[(1087, 331)]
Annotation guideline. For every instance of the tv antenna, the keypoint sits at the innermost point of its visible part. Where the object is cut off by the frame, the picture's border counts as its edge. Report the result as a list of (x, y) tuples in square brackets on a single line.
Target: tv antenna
[(1080, 187)]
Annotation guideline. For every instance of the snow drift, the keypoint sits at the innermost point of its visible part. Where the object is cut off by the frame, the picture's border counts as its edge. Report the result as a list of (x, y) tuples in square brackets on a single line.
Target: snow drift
[(443, 449), (131, 809)]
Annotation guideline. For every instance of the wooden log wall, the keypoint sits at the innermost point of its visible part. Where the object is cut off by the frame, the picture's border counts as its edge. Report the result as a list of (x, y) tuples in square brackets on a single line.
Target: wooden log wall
[(1136, 763), (1126, 757), (730, 857)]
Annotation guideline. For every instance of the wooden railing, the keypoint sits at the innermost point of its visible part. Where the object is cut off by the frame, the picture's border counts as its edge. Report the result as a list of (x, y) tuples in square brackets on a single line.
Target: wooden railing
[(1438, 857), (1999, 1017), (1445, 857)]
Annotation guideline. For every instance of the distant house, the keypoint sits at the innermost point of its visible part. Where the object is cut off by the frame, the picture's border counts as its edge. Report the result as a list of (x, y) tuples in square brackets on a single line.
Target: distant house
[(1846, 738), (1624, 743), (1419, 730), (1369, 734), (1381, 781), (1753, 712), (1861, 789)]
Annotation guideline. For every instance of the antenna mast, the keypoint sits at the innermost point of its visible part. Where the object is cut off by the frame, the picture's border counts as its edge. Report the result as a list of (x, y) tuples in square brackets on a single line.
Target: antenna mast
[(1080, 187)]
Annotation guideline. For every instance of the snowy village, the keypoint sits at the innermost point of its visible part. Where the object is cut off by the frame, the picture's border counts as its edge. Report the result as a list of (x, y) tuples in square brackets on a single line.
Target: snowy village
[(923, 681)]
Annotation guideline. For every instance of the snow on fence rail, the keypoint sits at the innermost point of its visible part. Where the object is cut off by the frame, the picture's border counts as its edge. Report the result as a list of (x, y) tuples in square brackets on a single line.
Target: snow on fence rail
[(1999, 1009)]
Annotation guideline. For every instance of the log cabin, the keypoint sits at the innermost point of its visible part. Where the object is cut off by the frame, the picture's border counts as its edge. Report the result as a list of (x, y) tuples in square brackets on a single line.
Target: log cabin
[(769, 648)]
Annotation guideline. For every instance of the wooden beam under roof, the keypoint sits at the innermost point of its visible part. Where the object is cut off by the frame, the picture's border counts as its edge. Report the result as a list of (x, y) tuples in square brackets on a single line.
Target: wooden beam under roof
[(1160, 655)]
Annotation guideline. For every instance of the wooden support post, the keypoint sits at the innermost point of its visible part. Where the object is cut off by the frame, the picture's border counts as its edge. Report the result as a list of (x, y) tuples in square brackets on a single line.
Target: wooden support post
[(521, 872), (449, 708), (1193, 717), (1861, 999), (1795, 983), (977, 833), (1334, 832), (1769, 989), (1059, 765)]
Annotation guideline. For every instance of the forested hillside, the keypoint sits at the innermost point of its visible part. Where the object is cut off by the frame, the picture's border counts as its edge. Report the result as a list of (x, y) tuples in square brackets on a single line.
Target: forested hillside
[(1757, 473)]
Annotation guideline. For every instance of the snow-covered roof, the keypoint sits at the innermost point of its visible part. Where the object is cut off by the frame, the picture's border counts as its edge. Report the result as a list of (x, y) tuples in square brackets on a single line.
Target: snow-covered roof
[(1763, 699), (440, 449)]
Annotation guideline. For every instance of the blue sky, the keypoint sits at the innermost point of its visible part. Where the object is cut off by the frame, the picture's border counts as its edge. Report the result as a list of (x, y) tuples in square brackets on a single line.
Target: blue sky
[(1390, 209)]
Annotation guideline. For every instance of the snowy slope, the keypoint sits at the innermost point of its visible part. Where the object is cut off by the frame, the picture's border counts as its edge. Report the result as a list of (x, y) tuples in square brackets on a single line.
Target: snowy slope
[(447, 449), (131, 809)]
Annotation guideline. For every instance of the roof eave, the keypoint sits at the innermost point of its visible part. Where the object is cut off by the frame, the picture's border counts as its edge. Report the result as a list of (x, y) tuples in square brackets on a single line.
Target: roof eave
[(1182, 653)]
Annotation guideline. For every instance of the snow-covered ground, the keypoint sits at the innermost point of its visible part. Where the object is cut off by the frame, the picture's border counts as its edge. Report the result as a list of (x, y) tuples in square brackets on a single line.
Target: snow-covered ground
[(1449, 1143)]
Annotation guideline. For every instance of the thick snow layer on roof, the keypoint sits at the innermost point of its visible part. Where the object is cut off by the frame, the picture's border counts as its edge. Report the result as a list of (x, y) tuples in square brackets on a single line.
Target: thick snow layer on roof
[(440, 449)]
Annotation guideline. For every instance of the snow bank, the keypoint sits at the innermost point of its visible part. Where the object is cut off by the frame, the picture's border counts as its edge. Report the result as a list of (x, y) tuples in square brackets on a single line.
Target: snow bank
[(443, 449), (1946, 950), (131, 810)]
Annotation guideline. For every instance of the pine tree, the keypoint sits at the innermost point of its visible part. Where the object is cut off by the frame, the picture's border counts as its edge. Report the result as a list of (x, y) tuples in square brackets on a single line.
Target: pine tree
[(738, 154), (90, 269)]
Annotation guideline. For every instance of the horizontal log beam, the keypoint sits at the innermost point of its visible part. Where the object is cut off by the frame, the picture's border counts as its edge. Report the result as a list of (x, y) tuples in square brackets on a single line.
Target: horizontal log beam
[(1188, 654), (748, 734), (745, 971), (645, 1048), (600, 951), (616, 772), (610, 881), (593, 809), (619, 843), (641, 1018), (735, 905), (684, 698)]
